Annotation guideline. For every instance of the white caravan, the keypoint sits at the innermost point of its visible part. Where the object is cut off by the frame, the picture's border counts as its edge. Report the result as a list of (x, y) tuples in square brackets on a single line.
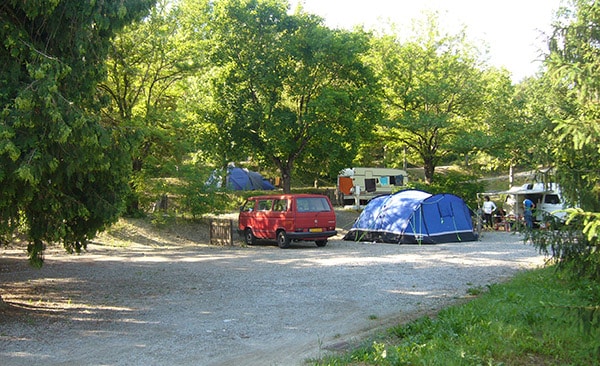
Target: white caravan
[(358, 185)]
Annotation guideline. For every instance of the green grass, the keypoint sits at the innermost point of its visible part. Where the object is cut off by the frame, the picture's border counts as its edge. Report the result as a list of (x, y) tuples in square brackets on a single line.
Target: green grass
[(535, 319)]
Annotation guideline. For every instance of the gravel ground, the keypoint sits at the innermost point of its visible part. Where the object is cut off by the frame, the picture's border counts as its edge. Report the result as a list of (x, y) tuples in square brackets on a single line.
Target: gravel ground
[(155, 302)]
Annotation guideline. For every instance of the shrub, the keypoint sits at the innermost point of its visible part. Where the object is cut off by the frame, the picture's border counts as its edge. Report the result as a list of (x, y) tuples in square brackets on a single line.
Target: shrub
[(462, 185), (573, 245)]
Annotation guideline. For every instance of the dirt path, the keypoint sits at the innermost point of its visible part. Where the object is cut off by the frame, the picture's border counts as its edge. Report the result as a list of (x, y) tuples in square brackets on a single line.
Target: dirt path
[(260, 305)]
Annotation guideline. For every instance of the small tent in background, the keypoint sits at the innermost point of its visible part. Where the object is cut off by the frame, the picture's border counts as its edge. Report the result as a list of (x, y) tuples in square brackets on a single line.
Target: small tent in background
[(239, 179), (411, 217)]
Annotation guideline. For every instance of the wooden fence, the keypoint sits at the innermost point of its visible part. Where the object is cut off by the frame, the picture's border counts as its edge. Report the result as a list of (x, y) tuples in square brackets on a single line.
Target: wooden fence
[(221, 232)]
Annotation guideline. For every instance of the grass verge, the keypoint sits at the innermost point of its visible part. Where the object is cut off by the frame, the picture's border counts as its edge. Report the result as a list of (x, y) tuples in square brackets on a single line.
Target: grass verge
[(535, 319)]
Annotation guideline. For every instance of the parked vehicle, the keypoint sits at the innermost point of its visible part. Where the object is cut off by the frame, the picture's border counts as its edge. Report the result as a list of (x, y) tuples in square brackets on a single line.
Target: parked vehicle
[(287, 218), (357, 186), (546, 197)]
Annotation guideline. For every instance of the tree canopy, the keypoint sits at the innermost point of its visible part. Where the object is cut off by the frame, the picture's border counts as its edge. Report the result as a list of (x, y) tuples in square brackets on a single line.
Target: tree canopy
[(147, 63), (432, 92), (287, 90), (572, 70), (63, 173), (573, 65)]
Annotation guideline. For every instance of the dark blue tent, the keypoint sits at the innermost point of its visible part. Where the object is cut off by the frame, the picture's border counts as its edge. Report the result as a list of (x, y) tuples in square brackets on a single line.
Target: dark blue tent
[(411, 216), (245, 180)]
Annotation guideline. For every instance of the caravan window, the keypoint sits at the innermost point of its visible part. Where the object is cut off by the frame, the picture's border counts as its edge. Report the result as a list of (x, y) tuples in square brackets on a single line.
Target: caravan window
[(370, 185), (397, 180)]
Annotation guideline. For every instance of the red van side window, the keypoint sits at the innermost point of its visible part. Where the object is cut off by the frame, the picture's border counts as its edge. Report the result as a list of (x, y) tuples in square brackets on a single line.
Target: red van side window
[(280, 205), (264, 205), (248, 206)]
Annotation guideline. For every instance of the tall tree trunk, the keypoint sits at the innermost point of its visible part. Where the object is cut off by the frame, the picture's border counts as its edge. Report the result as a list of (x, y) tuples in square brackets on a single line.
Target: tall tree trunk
[(429, 169), (286, 180), (285, 169), (133, 202)]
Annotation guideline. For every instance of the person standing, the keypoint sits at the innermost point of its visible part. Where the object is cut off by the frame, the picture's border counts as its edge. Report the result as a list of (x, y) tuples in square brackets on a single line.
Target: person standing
[(488, 210), (528, 206)]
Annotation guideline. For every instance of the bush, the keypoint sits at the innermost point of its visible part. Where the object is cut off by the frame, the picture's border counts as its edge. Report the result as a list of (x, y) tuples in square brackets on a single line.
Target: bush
[(462, 185), (572, 245)]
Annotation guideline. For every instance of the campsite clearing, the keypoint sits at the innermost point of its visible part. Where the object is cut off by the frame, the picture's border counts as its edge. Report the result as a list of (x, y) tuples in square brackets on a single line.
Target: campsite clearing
[(175, 301)]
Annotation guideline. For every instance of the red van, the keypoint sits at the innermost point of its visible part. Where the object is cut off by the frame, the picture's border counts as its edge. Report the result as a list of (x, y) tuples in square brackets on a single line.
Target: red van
[(287, 218)]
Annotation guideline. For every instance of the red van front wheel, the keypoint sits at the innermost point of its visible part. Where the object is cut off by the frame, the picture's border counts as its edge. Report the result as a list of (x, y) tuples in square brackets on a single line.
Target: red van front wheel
[(282, 239)]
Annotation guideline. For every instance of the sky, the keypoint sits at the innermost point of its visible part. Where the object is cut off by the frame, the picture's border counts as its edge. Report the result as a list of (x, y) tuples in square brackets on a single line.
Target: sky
[(513, 30)]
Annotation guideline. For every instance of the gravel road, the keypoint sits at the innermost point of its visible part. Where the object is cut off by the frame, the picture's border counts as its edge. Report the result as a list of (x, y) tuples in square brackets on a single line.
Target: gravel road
[(207, 305)]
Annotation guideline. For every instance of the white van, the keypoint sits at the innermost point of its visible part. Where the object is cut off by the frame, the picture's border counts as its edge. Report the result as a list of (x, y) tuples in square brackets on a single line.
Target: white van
[(547, 198)]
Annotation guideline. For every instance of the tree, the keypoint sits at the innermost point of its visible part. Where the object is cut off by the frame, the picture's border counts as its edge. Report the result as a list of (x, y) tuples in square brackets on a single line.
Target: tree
[(572, 67), (147, 62), (64, 174), (287, 89), (573, 64), (528, 138), (484, 142), (516, 123), (432, 92)]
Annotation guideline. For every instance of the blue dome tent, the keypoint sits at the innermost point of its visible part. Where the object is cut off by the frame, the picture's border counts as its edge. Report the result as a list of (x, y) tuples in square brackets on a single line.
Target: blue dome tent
[(239, 179), (414, 217)]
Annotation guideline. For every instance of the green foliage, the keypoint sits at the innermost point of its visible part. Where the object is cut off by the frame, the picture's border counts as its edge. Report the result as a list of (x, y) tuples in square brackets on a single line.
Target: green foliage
[(572, 69), (573, 246), (63, 174), (460, 184), (516, 124), (531, 139), (527, 320), (186, 193), (284, 89), (147, 63), (433, 94), (199, 199)]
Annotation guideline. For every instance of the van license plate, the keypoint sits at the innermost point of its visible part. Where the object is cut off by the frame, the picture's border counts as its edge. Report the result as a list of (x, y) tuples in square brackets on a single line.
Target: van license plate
[(316, 230)]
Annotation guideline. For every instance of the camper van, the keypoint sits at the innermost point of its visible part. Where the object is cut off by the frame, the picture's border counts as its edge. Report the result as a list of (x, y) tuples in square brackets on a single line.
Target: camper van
[(357, 186), (546, 197), (286, 218)]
